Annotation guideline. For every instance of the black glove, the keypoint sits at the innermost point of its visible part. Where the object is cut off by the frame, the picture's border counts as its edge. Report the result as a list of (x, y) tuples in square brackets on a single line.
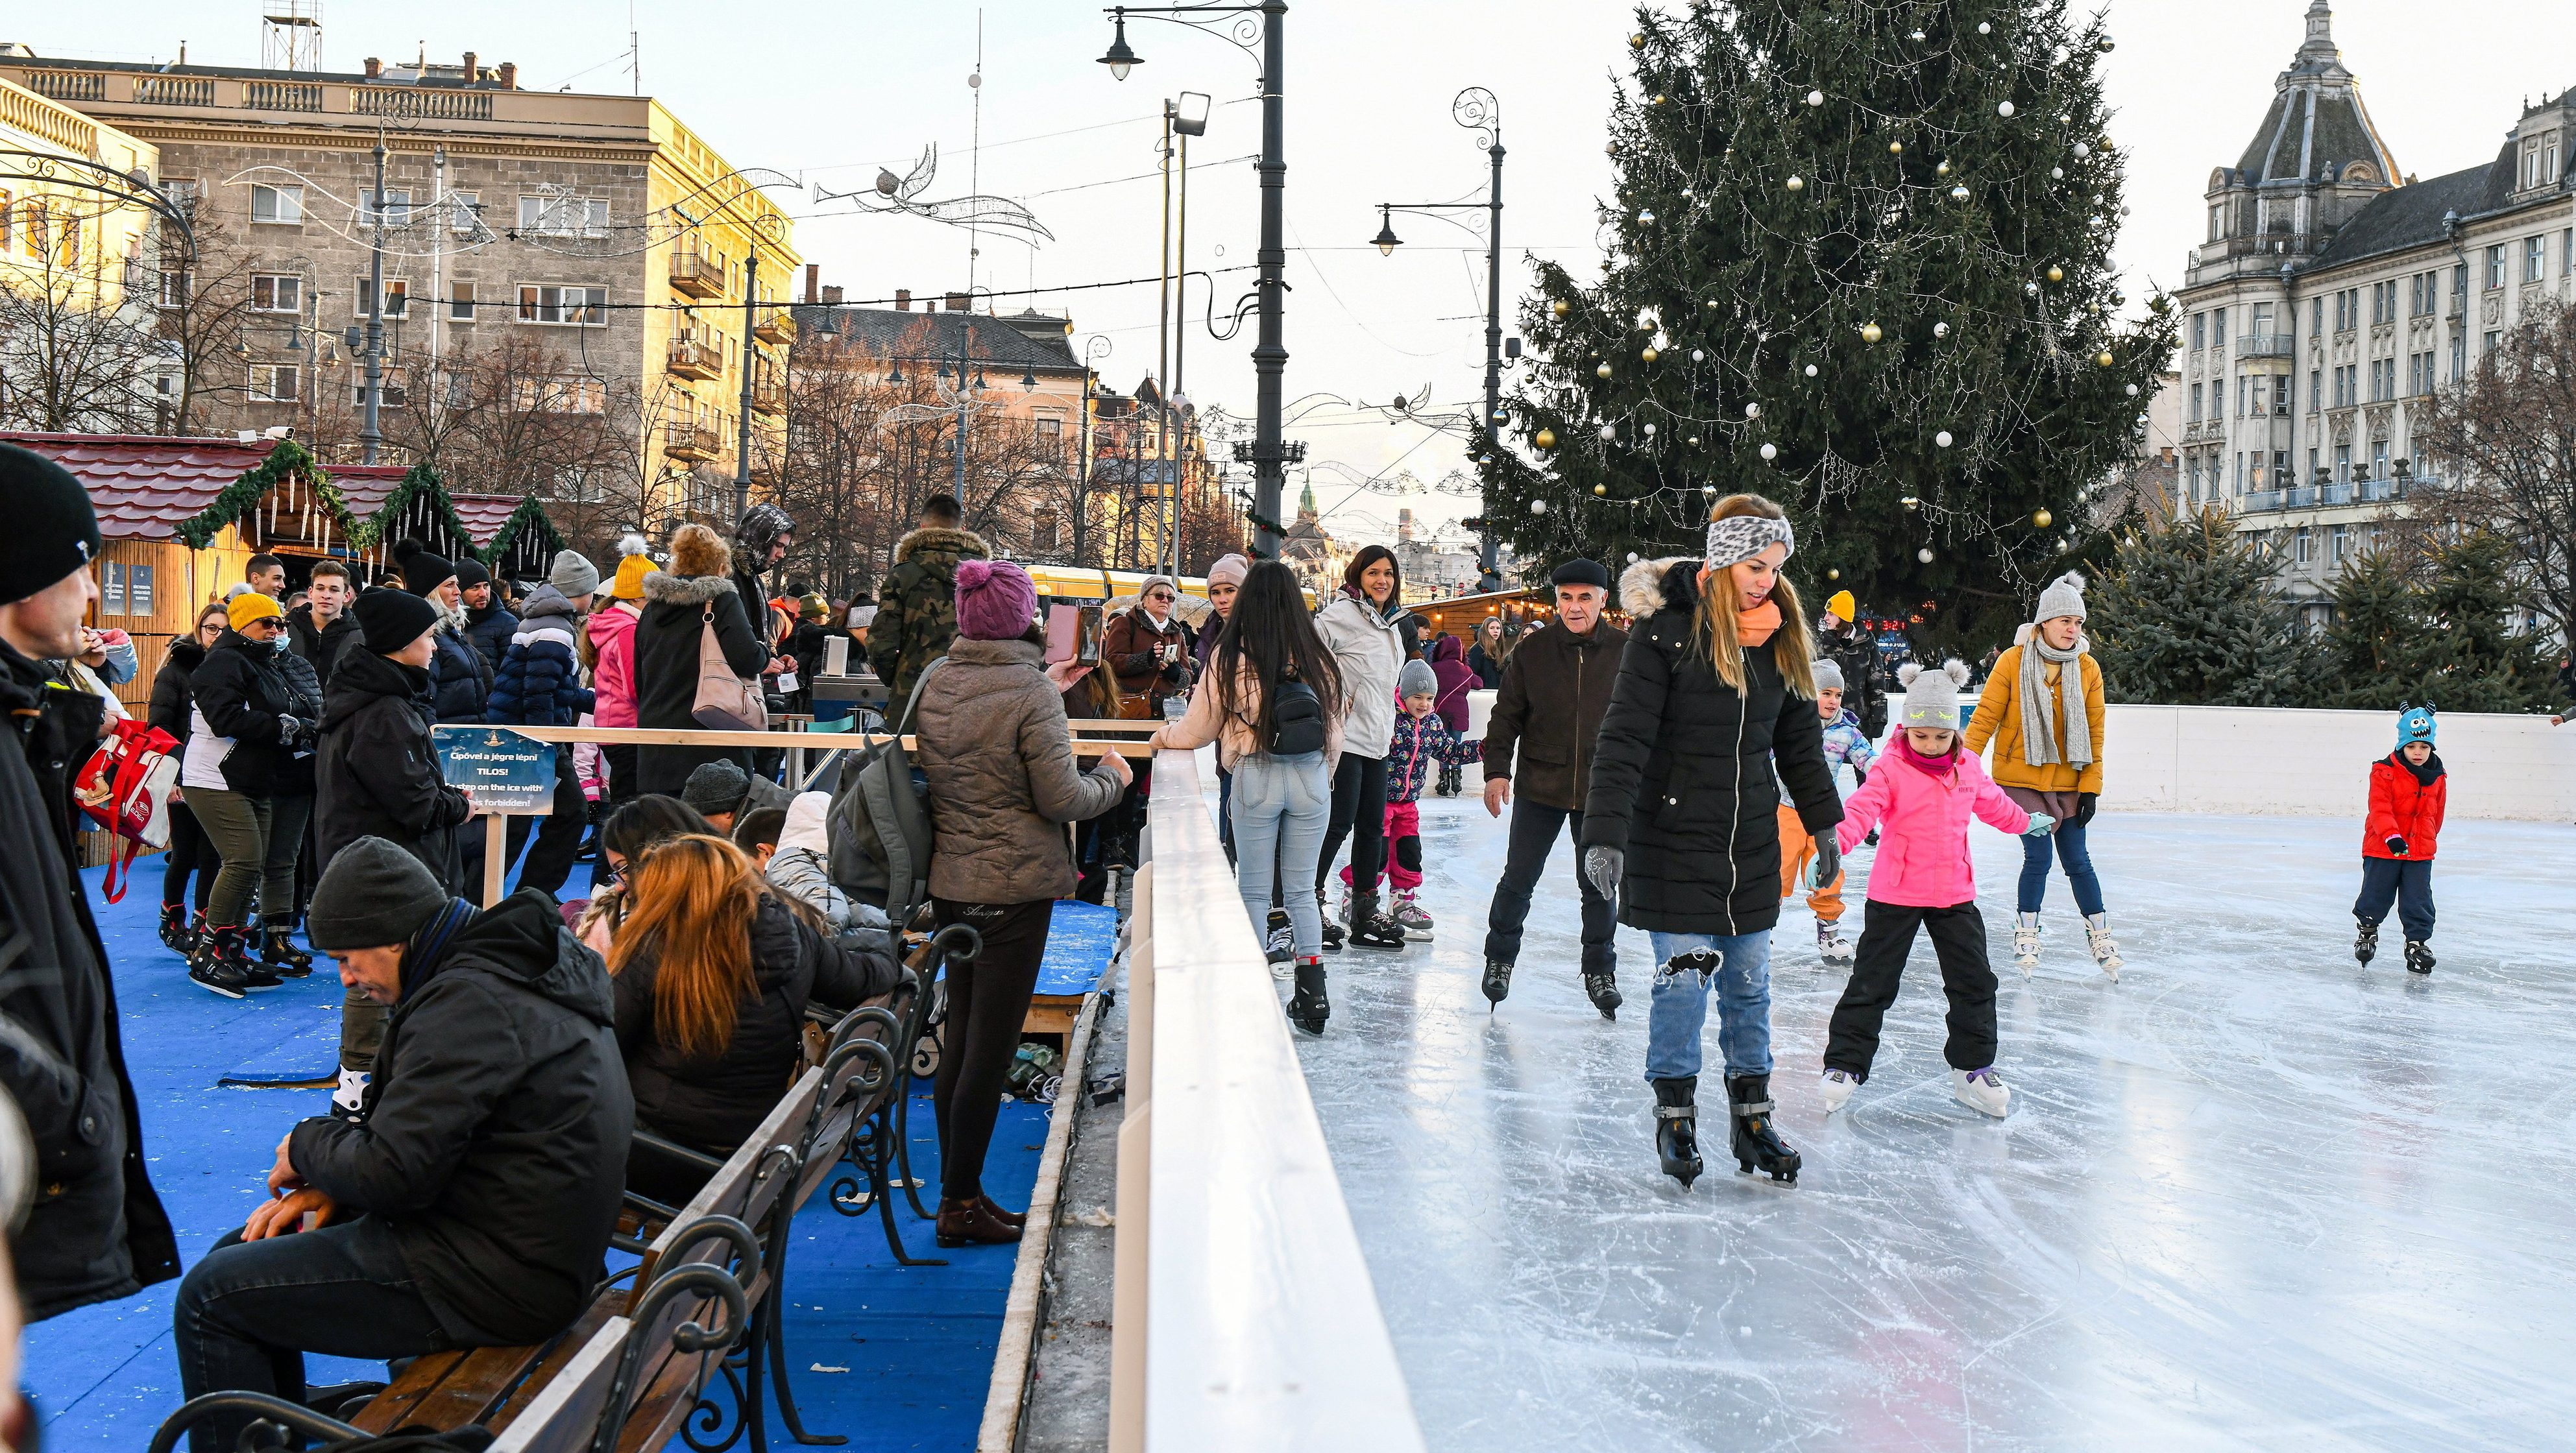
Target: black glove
[(2396, 844), (1603, 867), (2086, 804), (1829, 860)]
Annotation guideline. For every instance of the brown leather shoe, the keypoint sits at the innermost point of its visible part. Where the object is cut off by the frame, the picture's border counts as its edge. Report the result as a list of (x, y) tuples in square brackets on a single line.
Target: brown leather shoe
[(1008, 1218), (968, 1223)]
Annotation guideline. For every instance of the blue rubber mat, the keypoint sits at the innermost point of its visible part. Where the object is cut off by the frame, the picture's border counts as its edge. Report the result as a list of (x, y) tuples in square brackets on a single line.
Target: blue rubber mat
[(1081, 940)]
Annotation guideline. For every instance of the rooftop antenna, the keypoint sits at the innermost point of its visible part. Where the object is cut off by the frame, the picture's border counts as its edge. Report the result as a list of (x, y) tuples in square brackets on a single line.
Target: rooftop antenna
[(634, 50), (975, 159), (290, 36)]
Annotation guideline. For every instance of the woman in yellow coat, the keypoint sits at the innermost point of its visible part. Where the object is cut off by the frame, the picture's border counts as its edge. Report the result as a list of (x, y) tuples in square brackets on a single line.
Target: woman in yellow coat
[(2042, 708)]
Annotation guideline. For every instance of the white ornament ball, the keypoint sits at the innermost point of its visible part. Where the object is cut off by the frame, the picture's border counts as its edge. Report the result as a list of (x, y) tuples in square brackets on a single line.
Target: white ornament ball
[(1632, 557), (1646, 217), (1984, 29), (1753, 411), (1940, 330), (1811, 370), (2082, 151), (2133, 390), (1815, 98), (1942, 438), (1698, 357), (1709, 489), (1694, 441), (1958, 194), (1608, 433), (1797, 184), (2030, 288), (1924, 554), (1915, 36), (2055, 174), (1770, 452), (1538, 506), (1650, 431), (2004, 108)]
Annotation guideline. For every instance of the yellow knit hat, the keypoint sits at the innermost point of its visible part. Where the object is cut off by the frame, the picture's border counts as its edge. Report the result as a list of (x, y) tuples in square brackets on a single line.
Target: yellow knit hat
[(250, 606), (1842, 607), (631, 571)]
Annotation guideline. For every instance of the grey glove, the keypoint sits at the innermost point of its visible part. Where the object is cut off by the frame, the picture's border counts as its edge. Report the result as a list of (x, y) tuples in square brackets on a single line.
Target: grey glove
[(1829, 860), (1603, 865)]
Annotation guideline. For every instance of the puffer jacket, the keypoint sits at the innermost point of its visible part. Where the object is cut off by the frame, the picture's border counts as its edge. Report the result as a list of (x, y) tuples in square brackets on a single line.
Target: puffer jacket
[(802, 866), (171, 698), (1922, 820), (1449, 667), (612, 664), (490, 629), (1421, 746), (1368, 647), (539, 683), (711, 1102), (2406, 801), (492, 1151), (377, 774), (245, 730), (999, 756), (1998, 720), (1683, 779), (460, 680)]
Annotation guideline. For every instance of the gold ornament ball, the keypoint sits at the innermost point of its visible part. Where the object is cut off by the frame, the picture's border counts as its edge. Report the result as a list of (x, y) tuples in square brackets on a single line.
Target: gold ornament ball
[(1869, 333), (1560, 307), (1637, 41), (1896, 148), (1797, 184), (1648, 355), (1941, 170), (1833, 572), (2040, 519), (2104, 358), (1601, 489), (1603, 371), (1546, 439), (2057, 274)]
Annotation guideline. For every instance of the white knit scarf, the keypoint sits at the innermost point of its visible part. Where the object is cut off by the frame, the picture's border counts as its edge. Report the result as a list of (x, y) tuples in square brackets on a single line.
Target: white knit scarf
[(2039, 744)]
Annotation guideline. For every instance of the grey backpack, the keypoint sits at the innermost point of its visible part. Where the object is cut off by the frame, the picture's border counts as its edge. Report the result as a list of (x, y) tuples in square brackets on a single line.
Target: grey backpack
[(879, 826)]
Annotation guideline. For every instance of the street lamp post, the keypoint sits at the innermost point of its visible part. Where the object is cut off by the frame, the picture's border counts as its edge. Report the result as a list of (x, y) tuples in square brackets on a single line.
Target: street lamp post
[(1268, 454), (750, 357), (1476, 109)]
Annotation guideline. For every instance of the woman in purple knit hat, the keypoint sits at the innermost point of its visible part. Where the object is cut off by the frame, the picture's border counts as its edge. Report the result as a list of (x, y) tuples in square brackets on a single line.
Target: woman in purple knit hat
[(1003, 782)]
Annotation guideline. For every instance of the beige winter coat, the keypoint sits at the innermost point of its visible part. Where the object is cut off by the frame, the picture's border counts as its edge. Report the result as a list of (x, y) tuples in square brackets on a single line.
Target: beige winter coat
[(1236, 735), (996, 749)]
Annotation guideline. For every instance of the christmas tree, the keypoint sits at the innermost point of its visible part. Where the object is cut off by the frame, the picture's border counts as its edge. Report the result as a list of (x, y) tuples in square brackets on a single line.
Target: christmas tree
[(1858, 261), (2191, 614), (2449, 641)]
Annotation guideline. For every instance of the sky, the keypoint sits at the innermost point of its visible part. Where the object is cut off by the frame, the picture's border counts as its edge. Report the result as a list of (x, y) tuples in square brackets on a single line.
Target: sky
[(830, 92)]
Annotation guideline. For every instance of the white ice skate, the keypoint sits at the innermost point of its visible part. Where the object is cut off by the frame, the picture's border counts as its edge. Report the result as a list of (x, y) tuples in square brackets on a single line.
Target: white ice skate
[(1417, 924), (2026, 942), (1831, 946), (2097, 933), (1836, 1089), (1980, 1090)]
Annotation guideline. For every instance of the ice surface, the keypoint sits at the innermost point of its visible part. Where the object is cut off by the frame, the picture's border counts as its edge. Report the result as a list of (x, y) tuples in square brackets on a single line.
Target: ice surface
[(2252, 1196)]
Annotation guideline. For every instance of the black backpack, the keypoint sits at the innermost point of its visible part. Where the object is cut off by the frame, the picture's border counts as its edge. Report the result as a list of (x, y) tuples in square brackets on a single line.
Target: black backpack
[(1298, 721)]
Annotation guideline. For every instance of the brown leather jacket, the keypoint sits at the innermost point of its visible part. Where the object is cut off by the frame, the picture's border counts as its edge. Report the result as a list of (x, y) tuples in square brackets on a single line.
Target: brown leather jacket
[(1556, 686), (1002, 776), (1129, 645)]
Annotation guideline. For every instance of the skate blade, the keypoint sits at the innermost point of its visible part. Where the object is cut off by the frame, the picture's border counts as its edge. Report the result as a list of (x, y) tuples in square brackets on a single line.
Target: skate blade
[(1786, 1176)]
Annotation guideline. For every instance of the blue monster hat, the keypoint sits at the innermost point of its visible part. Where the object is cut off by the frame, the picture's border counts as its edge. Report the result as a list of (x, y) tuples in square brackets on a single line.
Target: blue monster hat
[(2414, 724)]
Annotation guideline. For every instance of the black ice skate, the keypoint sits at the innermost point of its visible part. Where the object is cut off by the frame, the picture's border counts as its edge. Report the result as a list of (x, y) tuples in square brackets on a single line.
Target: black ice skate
[(1676, 1131), (1757, 1146), (2365, 945), (1603, 987), (2419, 956), (1307, 1008), (1372, 927), (1332, 930), (1498, 981)]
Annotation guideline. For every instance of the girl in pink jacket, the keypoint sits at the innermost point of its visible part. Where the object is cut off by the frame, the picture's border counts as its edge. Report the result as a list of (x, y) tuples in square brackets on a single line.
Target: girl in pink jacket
[(1920, 799)]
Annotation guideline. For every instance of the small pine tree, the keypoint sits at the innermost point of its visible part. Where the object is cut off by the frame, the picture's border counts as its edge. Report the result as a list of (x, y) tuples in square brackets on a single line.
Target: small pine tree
[(2476, 657), (2372, 656), (2190, 613)]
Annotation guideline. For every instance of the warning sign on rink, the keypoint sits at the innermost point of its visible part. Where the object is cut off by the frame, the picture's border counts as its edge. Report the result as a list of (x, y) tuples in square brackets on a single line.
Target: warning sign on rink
[(498, 769)]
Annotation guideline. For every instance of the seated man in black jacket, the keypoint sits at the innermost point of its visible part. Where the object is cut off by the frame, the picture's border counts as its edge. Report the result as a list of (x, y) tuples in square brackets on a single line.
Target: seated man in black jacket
[(471, 1205)]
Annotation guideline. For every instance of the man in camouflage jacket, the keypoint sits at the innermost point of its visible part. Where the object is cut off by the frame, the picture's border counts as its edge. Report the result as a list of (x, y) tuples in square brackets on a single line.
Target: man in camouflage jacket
[(917, 605)]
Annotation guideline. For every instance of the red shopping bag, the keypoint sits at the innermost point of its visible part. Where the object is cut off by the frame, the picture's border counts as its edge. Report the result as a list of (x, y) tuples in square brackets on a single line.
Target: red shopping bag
[(125, 788)]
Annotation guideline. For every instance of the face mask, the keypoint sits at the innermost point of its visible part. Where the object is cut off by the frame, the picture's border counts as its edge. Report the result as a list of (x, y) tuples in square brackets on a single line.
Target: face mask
[(278, 645)]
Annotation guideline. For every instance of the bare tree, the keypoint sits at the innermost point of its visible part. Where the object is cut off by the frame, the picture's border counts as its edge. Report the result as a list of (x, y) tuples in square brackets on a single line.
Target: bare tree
[(75, 356), (204, 313), (2506, 439)]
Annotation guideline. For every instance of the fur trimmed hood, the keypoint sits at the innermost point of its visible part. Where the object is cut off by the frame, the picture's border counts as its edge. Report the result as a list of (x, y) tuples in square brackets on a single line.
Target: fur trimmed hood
[(662, 585), (1671, 583), (962, 544)]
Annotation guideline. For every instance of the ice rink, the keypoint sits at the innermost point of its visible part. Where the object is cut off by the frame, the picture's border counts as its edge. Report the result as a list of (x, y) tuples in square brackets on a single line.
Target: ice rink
[(2253, 1196)]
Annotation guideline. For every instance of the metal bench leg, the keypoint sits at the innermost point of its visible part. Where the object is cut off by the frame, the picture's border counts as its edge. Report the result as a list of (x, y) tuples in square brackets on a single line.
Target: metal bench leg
[(876, 1161), (903, 1153)]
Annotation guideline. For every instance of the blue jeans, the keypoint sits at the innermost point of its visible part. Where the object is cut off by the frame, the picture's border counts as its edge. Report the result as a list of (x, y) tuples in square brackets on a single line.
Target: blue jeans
[(2079, 869), (1280, 808), (1679, 1005)]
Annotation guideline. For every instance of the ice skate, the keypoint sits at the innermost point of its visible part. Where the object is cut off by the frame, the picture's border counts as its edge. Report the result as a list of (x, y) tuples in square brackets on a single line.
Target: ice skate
[(1281, 950), (174, 929), (1308, 1008), (1371, 928), (1831, 946), (279, 955), (2026, 942), (1757, 1145), (1417, 924), (1980, 1090), (2097, 934), (1676, 1128), (349, 1098), (1498, 981), (1342, 913), (1332, 930), (2419, 956), (2365, 944), (1602, 987), (1836, 1089)]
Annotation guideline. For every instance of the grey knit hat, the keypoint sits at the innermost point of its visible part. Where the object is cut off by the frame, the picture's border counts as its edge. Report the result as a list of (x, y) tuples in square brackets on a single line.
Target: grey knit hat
[(2064, 597), (717, 786), (573, 574), (1931, 697), (1829, 677), (1417, 679), (373, 895)]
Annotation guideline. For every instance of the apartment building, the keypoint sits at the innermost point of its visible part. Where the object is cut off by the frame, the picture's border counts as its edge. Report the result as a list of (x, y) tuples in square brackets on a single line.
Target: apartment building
[(57, 232), (593, 237), (2334, 293)]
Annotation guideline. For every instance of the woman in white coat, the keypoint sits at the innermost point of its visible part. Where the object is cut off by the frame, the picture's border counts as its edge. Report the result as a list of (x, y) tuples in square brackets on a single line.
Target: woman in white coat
[(1360, 627)]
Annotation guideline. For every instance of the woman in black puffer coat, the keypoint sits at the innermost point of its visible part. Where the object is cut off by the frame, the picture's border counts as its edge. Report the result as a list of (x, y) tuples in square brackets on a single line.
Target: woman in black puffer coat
[(248, 776), (1682, 821), (712, 972), (190, 852)]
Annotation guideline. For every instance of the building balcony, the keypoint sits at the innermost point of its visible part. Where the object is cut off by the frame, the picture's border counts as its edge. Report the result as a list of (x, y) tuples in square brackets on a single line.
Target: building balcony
[(693, 359), (768, 398), (2261, 501), (692, 442), (696, 275), (2263, 345), (2382, 491), (775, 326)]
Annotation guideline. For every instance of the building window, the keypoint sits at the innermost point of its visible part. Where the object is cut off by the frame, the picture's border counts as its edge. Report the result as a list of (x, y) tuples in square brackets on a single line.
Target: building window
[(283, 206), (2343, 464), (2240, 472), (274, 383), (2535, 254), (2316, 388), (2459, 355), (2218, 328), (2493, 341), (397, 297), (2199, 331), (2217, 221), (564, 216), (2299, 546), (573, 394), (2317, 316), (1051, 434), (2316, 471), (397, 208), (2495, 267), (177, 285), (464, 211), (460, 302), (2243, 387), (549, 303), (2195, 404), (2379, 459), (2540, 160), (276, 293)]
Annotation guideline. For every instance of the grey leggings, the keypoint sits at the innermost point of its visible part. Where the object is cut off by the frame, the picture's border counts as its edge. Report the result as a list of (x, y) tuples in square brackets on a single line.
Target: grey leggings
[(259, 838)]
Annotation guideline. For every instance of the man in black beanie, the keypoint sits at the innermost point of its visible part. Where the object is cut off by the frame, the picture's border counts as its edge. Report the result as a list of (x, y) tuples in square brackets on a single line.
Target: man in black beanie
[(471, 1201), (1548, 711), (98, 1232), (488, 621)]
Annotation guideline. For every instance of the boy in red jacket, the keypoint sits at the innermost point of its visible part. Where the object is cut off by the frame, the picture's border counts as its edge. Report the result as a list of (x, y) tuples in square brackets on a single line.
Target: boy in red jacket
[(2407, 792)]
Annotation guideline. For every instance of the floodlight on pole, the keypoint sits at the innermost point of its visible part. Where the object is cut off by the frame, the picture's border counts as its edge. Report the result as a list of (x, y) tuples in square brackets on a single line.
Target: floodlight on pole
[(1190, 113)]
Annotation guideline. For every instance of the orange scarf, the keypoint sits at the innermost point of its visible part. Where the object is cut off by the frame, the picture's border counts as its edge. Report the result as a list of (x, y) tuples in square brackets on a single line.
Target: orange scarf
[(1753, 627)]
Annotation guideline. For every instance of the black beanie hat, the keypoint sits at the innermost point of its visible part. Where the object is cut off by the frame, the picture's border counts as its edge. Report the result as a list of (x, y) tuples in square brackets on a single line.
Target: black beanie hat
[(389, 620), (373, 895), (1581, 572), (422, 572), (470, 572), (52, 529)]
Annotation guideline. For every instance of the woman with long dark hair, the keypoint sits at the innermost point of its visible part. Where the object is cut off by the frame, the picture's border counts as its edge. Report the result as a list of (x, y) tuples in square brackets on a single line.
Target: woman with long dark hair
[(1715, 691), (1361, 627), (190, 851), (1272, 703)]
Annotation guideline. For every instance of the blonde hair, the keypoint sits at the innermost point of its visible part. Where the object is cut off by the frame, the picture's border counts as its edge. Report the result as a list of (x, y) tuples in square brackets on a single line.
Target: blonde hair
[(1792, 649)]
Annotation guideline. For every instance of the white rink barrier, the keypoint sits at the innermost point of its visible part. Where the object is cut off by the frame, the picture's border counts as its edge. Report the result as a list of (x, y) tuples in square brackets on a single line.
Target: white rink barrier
[(1245, 1320), (2267, 763)]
